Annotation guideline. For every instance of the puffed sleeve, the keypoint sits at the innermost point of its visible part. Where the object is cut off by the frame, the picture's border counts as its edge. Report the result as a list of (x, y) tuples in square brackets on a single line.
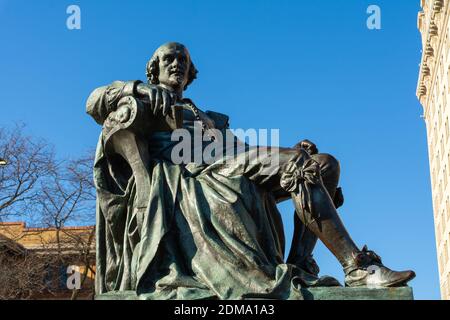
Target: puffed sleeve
[(103, 100)]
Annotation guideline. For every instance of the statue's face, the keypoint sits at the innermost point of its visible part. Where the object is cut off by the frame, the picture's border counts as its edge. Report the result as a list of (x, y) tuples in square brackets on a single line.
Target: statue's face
[(174, 62)]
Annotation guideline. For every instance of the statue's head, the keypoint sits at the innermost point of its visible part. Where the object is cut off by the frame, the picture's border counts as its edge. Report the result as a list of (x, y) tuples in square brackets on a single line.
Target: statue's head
[(171, 66)]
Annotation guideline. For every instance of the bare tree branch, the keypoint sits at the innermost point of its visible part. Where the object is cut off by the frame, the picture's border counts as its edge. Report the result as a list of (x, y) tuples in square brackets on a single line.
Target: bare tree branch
[(34, 187), (28, 161)]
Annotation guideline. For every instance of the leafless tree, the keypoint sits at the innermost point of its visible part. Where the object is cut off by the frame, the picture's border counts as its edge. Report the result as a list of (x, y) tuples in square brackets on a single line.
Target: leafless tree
[(68, 197), (83, 243), (67, 194), (24, 162), (24, 274), (56, 196), (27, 161)]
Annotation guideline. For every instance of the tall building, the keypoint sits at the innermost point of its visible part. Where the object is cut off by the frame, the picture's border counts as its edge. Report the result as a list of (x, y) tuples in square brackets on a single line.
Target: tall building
[(433, 90)]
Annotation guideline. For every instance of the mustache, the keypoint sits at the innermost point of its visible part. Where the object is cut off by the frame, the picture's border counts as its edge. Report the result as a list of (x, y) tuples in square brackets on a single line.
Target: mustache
[(176, 71)]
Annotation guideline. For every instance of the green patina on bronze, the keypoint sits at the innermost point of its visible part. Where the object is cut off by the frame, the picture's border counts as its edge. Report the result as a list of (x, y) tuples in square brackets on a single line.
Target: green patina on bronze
[(210, 229)]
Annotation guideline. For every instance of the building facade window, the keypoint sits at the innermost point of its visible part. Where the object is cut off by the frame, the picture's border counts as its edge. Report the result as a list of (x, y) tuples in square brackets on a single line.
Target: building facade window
[(446, 130), (445, 177), (445, 251)]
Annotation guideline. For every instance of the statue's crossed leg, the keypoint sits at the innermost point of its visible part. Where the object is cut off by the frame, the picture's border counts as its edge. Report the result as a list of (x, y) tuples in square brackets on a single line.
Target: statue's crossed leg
[(300, 175)]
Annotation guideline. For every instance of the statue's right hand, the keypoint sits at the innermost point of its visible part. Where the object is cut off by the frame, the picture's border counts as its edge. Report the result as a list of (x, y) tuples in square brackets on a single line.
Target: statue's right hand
[(160, 100)]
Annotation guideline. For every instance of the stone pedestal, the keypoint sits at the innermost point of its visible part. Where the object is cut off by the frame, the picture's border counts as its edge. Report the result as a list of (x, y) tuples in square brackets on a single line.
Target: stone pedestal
[(342, 293), (322, 293)]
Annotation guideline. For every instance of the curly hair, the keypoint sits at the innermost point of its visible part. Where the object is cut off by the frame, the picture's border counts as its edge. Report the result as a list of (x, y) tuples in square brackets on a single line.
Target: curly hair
[(153, 70)]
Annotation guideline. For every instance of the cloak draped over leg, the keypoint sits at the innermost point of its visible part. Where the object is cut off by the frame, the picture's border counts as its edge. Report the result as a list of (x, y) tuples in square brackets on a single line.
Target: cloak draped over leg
[(205, 231)]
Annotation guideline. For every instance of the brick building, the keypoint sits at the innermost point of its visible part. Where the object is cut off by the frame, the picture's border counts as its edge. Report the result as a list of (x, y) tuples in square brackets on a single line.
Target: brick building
[(46, 263)]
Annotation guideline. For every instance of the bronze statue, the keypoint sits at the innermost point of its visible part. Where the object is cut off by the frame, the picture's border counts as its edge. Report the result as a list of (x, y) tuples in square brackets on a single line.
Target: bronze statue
[(209, 229)]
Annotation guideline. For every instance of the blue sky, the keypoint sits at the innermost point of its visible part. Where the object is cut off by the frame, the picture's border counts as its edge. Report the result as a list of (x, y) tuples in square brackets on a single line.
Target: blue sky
[(309, 68)]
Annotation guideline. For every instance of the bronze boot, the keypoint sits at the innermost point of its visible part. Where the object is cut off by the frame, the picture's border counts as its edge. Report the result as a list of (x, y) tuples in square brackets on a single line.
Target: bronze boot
[(369, 271)]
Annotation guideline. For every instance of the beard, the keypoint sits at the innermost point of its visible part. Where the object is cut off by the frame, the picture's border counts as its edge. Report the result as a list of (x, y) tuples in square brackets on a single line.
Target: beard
[(176, 80)]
